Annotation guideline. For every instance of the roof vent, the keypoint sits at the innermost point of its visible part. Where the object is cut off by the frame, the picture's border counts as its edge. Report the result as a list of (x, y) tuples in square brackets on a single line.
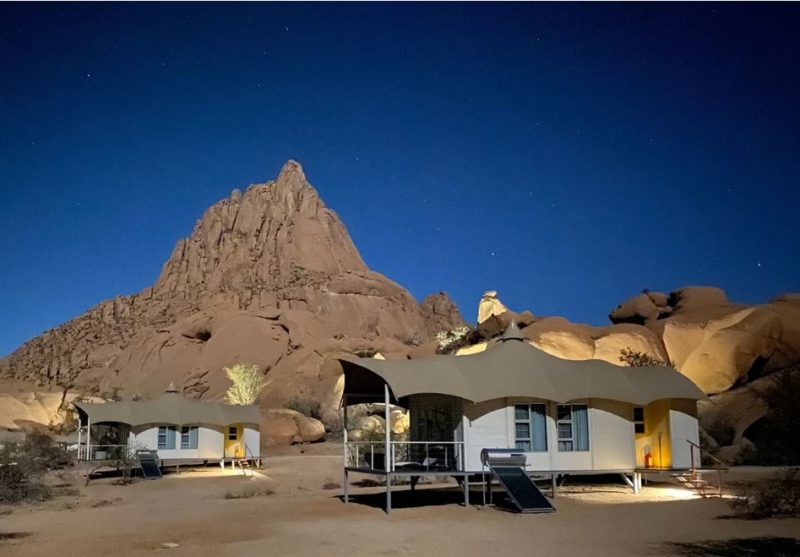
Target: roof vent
[(512, 332), (172, 389)]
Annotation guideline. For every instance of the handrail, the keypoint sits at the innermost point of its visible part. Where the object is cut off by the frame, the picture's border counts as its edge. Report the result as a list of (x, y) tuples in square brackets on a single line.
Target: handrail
[(406, 442), (720, 464), (252, 457), (707, 453)]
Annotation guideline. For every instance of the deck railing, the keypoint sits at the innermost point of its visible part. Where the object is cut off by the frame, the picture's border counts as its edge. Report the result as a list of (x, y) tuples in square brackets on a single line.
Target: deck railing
[(719, 465), (103, 452), (406, 455)]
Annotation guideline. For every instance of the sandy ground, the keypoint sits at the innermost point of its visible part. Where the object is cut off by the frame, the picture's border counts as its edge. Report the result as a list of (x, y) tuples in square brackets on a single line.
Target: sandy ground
[(300, 517)]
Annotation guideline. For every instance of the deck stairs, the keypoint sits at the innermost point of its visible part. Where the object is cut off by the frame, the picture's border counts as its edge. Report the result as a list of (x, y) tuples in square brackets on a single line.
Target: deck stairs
[(697, 479), (245, 465)]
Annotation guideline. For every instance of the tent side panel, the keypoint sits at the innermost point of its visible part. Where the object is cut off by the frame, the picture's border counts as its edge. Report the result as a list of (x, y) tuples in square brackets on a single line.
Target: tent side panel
[(613, 446), (210, 443), (146, 437), (252, 439), (486, 427), (683, 427)]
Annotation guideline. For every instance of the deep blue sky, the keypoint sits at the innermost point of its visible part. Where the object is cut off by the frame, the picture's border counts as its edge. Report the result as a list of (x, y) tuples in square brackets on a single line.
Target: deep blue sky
[(566, 155)]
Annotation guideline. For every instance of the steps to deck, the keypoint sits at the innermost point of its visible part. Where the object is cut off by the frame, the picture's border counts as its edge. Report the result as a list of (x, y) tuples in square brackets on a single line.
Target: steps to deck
[(694, 481), (244, 465)]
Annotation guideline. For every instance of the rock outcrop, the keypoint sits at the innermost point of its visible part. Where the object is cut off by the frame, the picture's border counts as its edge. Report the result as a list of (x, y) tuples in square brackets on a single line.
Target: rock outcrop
[(284, 427), (729, 350), (268, 276), (490, 305), (440, 313)]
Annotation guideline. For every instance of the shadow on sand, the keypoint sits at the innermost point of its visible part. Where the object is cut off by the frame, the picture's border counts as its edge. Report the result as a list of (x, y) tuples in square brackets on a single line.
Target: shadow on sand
[(404, 498), (740, 547)]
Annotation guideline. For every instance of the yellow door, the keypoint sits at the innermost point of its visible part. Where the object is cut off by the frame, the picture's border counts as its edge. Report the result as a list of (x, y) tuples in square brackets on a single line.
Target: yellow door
[(234, 441), (654, 440)]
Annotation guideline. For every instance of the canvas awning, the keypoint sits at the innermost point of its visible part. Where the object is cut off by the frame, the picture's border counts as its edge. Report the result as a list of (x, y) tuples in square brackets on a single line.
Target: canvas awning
[(170, 408), (514, 368)]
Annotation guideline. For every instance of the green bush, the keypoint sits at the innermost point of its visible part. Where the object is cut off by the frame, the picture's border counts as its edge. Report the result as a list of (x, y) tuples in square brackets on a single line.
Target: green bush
[(776, 496), (634, 358)]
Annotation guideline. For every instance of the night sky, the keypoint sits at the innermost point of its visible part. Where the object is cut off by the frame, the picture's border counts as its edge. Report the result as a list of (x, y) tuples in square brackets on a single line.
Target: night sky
[(567, 155)]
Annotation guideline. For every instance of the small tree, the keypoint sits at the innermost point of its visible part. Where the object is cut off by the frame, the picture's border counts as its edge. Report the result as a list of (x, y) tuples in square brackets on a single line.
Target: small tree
[(450, 341), (634, 358), (246, 383)]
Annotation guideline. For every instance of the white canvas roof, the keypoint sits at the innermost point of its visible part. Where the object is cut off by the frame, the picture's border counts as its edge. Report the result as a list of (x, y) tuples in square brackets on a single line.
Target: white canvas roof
[(514, 368), (170, 408)]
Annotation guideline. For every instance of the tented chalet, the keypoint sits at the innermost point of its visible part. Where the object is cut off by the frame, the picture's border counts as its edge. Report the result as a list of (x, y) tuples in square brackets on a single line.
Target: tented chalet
[(179, 429), (566, 416)]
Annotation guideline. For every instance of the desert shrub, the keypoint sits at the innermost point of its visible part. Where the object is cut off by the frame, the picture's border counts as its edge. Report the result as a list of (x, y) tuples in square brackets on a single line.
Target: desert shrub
[(248, 492), (23, 465), (306, 406), (373, 436), (355, 413), (334, 427), (777, 434), (246, 384), (749, 456), (736, 547), (634, 358), (776, 496)]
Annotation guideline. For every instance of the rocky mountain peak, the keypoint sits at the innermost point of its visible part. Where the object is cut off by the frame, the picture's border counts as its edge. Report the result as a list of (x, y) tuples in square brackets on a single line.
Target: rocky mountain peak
[(274, 236), (440, 313), (268, 275)]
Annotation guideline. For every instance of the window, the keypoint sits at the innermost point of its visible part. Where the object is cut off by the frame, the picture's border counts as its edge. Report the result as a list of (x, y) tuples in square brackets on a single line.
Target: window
[(166, 437), (233, 434), (572, 421), (638, 419), (530, 427), (189, 437)]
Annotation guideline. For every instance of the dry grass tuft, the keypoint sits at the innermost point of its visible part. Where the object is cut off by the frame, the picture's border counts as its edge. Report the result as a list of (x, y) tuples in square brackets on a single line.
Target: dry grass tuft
[(248, 492), (13, 535)]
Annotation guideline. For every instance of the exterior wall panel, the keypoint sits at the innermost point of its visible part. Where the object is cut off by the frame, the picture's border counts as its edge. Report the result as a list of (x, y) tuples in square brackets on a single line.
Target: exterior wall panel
[(612, 435), (683, 428), (486, 427), (252, 439)]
